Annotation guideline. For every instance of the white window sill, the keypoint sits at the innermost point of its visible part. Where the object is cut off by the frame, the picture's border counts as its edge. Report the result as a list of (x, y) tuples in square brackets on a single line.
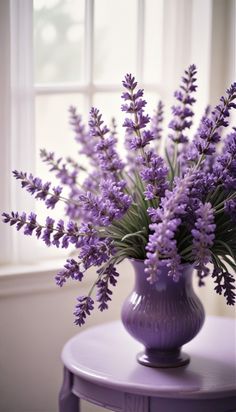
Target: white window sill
[(31, 278), (23, 269)]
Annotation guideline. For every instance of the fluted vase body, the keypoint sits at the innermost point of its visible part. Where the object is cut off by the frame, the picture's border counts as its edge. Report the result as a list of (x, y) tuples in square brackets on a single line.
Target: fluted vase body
[(162, 316)]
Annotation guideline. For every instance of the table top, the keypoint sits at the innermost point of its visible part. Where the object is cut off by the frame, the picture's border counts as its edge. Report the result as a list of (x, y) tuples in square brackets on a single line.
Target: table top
[(106, 355)]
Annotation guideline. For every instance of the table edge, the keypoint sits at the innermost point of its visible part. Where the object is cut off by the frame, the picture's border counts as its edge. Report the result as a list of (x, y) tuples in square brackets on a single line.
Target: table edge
[(134, 388)]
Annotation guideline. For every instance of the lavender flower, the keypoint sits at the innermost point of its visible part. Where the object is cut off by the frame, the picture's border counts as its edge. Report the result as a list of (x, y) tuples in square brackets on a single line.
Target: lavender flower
[(108, 157), (58, 234), (156, 121), (209, 128), (113, 127), (82, 309), (162, 250), (162, 244), (183, 112), (203, 239), (72, 269), (203, 183), (65, 176), (154, 173), (103, 292), (93, 250), (87, 143), (95, 124), (191, 153), (40, 190), (114, 193), (22, 221), (225, 165), (224, 283), (135, 106), (105, 148), (49, 228), (112, 204), (96, 252), (92, 181)]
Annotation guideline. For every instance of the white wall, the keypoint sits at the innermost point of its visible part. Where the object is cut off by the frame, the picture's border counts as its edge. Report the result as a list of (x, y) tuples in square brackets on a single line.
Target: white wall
[(36, 320), (34, 326)]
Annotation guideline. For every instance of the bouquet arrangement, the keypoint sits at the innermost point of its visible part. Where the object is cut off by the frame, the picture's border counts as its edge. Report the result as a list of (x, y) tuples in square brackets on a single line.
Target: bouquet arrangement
[(168, 211)]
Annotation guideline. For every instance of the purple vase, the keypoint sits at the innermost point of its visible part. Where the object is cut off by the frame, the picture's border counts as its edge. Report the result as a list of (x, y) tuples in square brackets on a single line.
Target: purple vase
[(163, 316)]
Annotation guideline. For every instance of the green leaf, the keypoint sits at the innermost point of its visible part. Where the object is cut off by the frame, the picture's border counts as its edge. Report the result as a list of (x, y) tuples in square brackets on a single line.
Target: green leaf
[(225, 246), (137, 234), (172, 172)]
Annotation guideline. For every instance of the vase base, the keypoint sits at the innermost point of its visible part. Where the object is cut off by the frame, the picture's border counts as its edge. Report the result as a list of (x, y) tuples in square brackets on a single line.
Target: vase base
[(159, 359)]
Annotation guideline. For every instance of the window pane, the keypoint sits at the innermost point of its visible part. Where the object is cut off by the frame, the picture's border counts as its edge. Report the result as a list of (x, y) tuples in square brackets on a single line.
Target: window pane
[(58, 40), (153, 41), (115, 40), (152, 99), (53, 131)]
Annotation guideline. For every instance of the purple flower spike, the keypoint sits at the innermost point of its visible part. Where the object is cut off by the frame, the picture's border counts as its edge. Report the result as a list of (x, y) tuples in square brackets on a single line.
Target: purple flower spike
[(208, 132), (182, 112), (106, 153), (82, 309), (119, 202), (129, 82), (52, 200), (87, 144), (157, 121), (108, 157), (31, 225), (112, 204), (135, 106), (162, 245), (225, 284), (103, 292), (189, 153), (48, 231), (41, 191), (225, 166), (203, 239), (22, 221), (59, 234), (62, 171), (95, 124), (95, 251), (154, 173), (72, 269)]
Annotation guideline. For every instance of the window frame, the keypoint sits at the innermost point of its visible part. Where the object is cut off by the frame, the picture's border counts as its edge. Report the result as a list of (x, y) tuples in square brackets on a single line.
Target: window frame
[(88, 87)]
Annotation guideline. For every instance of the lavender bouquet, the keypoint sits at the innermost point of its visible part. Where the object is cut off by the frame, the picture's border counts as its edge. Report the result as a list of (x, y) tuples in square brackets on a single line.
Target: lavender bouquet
[(171, 211)]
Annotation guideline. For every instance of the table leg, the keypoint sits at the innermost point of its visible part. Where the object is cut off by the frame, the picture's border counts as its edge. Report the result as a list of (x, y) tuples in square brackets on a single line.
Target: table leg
[(68, 402), (135, 403)]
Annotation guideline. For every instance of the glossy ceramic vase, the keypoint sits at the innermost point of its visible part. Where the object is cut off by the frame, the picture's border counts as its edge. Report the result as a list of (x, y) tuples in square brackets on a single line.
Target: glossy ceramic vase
[(163, 316)]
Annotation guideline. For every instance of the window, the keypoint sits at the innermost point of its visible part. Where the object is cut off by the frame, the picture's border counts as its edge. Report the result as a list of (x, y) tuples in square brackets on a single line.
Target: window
[(80, 53)]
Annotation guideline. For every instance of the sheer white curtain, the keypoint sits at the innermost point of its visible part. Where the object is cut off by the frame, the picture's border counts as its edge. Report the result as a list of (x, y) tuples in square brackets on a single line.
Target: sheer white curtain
[(5, 237), (17, 118)]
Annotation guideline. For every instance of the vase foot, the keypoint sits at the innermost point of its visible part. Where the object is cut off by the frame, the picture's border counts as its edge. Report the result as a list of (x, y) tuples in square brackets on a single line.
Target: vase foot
[(163, 359)]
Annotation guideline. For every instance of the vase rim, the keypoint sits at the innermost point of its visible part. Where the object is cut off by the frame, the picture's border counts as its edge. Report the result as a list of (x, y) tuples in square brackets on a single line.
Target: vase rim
[(142, 261)]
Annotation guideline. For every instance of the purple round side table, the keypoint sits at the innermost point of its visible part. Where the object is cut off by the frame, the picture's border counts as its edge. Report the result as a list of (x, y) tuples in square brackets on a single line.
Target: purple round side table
[(101, 367)]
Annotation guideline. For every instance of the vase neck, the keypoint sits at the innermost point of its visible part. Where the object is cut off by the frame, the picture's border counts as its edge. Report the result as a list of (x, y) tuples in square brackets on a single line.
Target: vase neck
[(164, 281)]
